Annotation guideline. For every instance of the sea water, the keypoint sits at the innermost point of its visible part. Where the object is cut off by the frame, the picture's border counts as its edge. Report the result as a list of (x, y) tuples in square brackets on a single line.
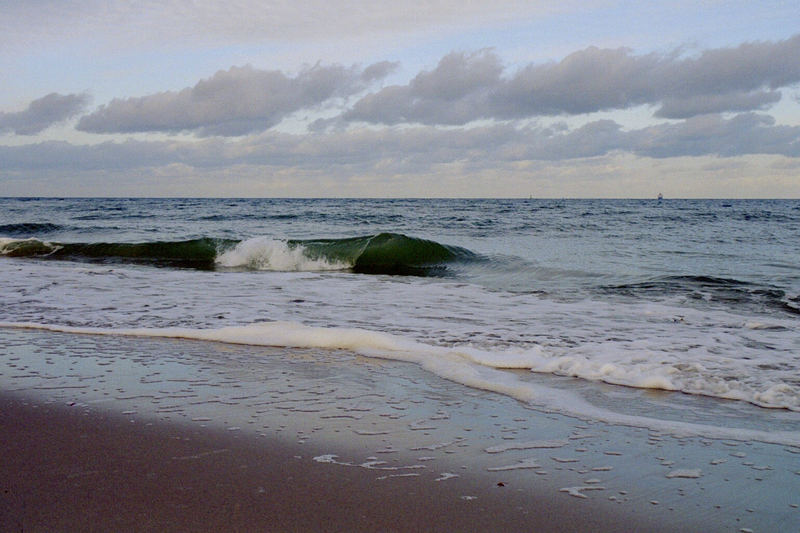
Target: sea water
[(584, 307)]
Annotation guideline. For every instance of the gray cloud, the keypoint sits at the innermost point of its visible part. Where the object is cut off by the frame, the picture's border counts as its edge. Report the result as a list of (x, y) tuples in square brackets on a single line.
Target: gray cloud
[(108, 156), (418, 149), (378, 71), (716, 103), (715, 135), (43, 113), (237, 101), (747, 133), (467, 87), (198, 21), (455, 92), (583, 82)]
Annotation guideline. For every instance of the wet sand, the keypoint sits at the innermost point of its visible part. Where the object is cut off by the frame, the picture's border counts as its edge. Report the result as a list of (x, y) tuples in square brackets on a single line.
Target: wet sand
[(124, 434), (66, 468)]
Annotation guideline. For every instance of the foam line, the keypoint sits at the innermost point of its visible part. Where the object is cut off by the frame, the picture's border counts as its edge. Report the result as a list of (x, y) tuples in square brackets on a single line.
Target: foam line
[(472, 368)]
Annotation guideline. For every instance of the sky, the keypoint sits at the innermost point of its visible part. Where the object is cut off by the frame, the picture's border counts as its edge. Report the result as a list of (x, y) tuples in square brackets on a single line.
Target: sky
[(441, 98)]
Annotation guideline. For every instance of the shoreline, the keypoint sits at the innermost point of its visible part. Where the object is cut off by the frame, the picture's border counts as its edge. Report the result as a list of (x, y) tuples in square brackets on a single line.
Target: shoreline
[(131, 434)]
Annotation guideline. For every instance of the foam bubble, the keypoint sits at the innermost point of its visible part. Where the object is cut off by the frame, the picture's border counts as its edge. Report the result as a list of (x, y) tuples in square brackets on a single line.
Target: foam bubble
[(689, 473), (263, 253), (13, 247), (523, 464), (578, 492), (556, 443)]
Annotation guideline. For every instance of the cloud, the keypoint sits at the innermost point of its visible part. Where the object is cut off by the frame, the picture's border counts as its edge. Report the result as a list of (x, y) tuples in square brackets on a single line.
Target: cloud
[(197, 21), (419, 149), (455, 92), (108, 156), (43, 113), (469, 87), (464, 88), (237, 101), (716, 103), (706, 135), (747, 133)]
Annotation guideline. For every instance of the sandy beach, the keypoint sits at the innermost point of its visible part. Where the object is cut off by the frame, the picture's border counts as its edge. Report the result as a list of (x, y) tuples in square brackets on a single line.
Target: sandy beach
[(135, 435), (67, 469)]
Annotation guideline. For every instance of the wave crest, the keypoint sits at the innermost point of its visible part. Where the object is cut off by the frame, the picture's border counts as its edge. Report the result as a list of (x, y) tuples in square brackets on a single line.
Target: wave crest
[(383, 253), (388, 253), (26, 247), (263, 253), (194, 253)]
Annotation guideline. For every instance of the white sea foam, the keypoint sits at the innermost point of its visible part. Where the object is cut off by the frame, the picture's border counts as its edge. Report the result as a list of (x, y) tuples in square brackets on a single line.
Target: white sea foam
[(689, 473), (555, 443), (680, 359), (9, 245), (264, 253), (523, 464), (578, 492), (468, 367), (638, 344), (290, 334)]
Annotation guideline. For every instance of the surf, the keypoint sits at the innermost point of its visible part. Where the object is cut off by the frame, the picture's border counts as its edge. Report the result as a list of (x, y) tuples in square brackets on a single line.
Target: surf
[(382, 253), (474, 368)]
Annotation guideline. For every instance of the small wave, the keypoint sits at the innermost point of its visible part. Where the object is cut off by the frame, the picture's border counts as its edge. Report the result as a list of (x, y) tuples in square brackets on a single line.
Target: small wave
[(387, 253), (791, 304), (28, 228), (727, 291), (683, 282), (195, 253), (665, 285), (384, 253)]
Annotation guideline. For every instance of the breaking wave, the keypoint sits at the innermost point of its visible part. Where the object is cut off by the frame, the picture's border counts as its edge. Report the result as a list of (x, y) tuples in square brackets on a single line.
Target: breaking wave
[(383, 253)]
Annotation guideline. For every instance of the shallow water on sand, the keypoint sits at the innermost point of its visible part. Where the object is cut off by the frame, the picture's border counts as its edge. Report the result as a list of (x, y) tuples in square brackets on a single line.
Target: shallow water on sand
[(393, 419)]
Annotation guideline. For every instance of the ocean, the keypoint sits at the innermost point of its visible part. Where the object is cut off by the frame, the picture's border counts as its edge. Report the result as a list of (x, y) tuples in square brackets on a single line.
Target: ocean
[(673, 315)]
